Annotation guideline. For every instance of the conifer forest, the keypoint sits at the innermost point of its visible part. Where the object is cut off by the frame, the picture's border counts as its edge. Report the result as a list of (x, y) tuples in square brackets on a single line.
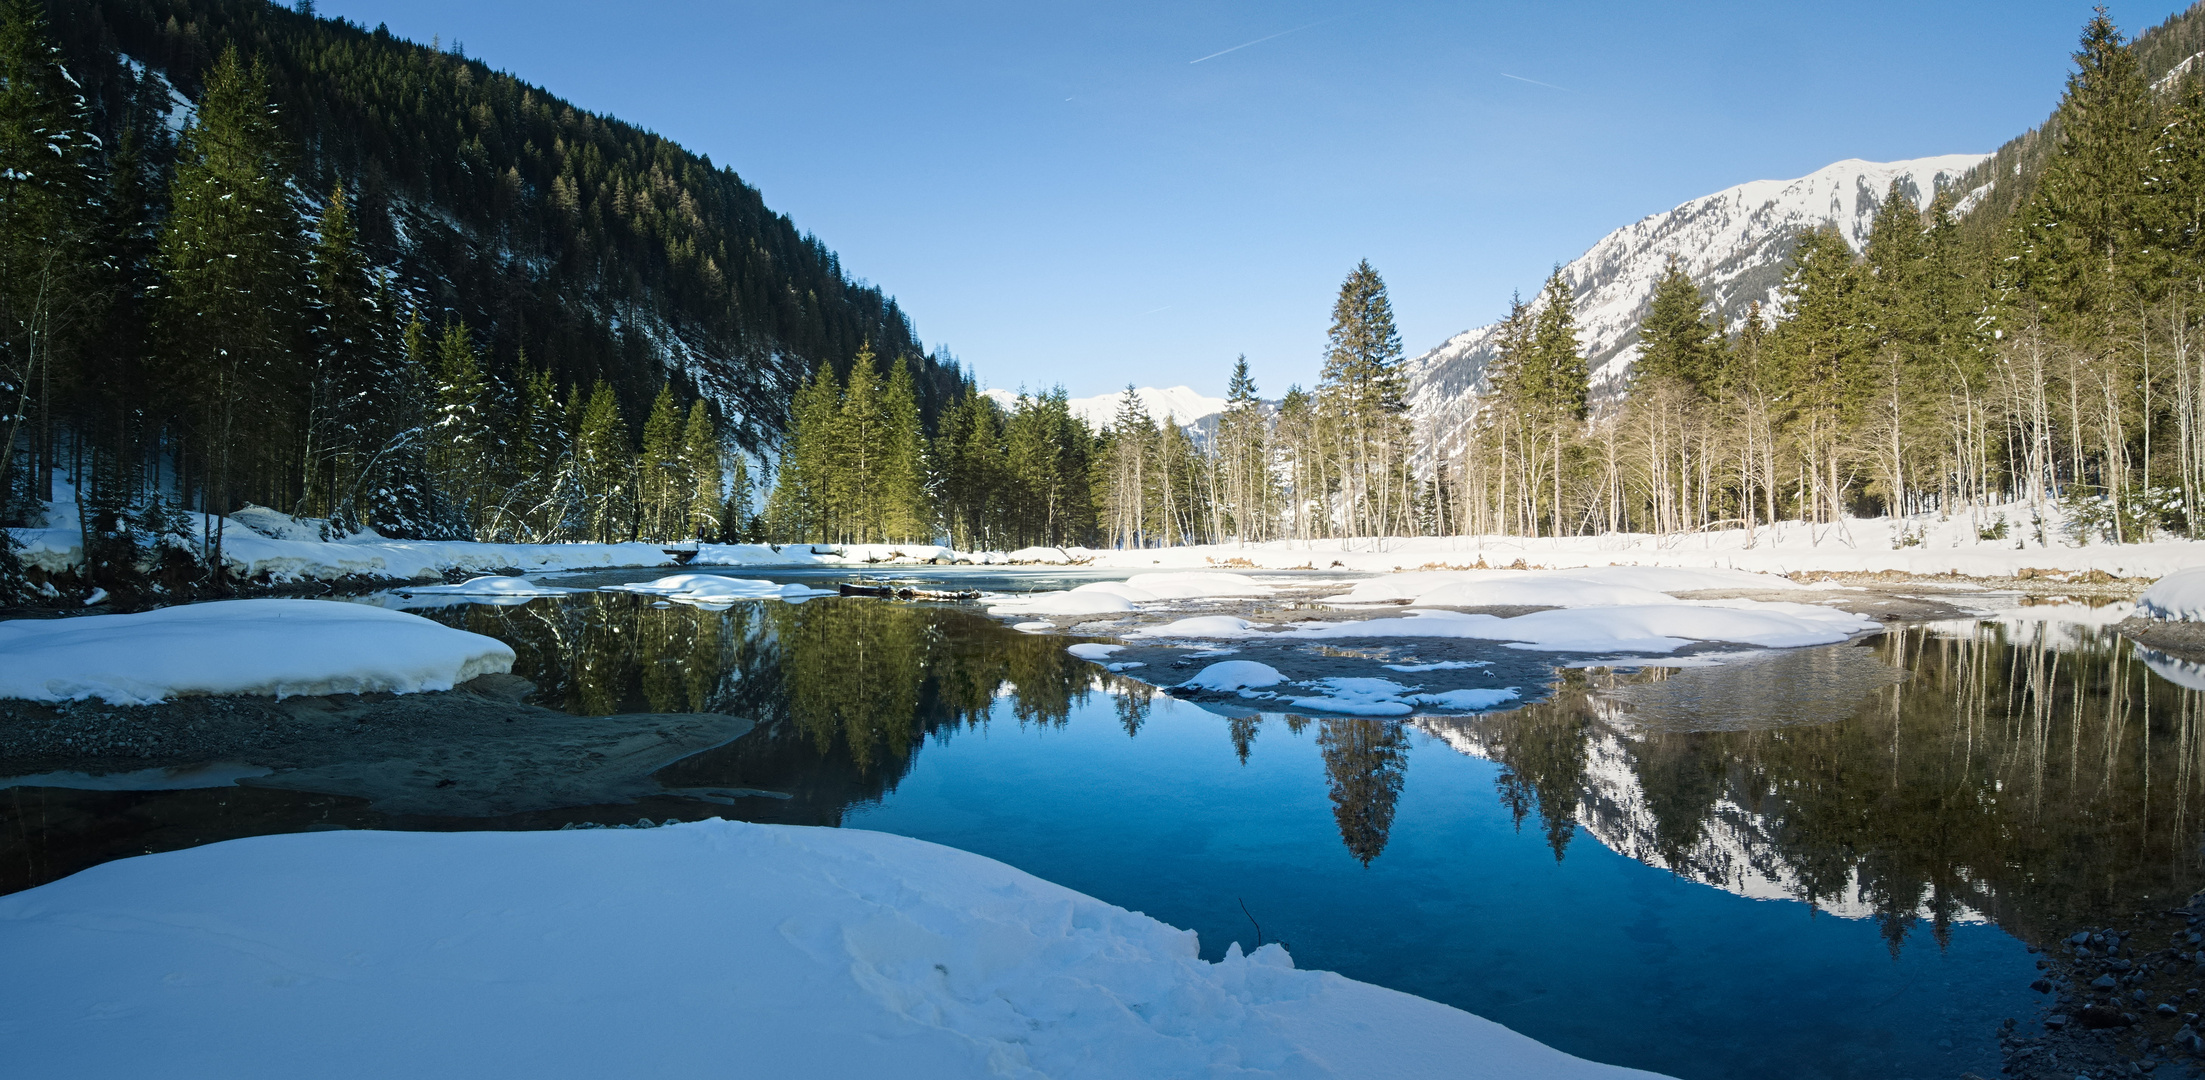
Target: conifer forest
[(317, 268)]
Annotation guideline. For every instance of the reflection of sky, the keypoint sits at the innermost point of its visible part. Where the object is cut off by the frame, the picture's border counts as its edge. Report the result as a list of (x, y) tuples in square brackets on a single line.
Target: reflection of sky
[(1597, 954)]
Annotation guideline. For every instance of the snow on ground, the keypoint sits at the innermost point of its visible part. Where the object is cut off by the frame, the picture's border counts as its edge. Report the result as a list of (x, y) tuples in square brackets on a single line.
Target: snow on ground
[(279, 647), (2180, 595), (1607, 586), (714, 591), (1916, 545), (1657, 628), (685, 950)]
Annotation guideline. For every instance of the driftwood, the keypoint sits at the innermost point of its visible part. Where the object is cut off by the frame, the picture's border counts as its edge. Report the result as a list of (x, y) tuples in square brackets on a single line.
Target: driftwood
[(906, 592)]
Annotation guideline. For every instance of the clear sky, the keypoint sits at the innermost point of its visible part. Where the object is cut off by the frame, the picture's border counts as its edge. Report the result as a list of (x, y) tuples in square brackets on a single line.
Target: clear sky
[(1092, 194)]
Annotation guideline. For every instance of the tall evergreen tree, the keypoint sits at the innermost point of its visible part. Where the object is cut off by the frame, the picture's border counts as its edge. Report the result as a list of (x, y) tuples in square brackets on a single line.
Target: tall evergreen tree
[(1678, 339), (662, 485), (701, 455), (231, 264), (46, 255), (2082, 232), (1361, 394)]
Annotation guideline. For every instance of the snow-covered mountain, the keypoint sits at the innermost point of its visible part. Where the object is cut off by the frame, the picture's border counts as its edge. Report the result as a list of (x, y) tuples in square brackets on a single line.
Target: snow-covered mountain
[(1181, 404), (1734, 243)]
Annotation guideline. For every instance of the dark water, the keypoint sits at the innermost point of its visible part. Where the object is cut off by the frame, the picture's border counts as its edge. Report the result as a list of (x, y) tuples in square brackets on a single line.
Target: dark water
[(1825, 864)]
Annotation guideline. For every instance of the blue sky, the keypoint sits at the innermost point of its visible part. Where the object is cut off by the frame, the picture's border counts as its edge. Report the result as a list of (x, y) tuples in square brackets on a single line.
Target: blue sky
[(1092, 194)]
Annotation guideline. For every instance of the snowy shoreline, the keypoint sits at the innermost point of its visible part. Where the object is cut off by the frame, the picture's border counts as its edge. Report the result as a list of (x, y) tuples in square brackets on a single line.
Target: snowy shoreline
[(681, 949)]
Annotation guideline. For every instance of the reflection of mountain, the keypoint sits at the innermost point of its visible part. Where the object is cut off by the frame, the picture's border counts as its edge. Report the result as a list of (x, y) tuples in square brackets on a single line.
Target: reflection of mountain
[(2036, 775), (1736, 850)]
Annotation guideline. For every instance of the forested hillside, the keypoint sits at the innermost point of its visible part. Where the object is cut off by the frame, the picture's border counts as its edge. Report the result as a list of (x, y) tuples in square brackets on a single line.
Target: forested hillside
[(255, 255), (597, 246)]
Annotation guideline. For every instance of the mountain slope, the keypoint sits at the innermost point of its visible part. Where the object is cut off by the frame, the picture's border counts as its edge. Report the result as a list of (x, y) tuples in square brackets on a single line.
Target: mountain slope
[(602, 249), (1734, 243)]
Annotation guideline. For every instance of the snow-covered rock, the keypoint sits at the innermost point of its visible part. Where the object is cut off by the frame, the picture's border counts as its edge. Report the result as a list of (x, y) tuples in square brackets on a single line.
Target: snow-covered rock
[(275, 647), (1229, 675), (2180, 596), (686, 950), (1734, 243)]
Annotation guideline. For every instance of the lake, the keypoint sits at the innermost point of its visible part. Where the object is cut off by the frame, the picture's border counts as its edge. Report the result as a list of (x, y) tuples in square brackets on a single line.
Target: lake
[(1828, 862)]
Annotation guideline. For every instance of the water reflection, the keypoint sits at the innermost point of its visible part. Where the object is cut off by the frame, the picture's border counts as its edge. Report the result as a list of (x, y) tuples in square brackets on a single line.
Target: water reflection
[(844, 691), (2027, 773)]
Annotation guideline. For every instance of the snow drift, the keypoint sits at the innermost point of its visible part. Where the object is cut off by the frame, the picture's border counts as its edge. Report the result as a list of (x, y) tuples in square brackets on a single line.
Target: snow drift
[(279, 647), (709, 949)]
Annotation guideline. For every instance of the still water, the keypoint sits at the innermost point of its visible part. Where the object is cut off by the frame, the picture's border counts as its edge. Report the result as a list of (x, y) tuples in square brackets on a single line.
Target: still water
[(1827, 863)]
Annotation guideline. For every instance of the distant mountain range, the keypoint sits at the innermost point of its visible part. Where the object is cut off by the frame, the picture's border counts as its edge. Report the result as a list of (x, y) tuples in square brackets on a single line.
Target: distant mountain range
[(1181, 404), (1734, 243)]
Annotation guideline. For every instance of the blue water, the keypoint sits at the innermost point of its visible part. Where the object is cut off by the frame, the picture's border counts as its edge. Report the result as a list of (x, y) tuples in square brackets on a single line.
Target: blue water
[(1596, 954)]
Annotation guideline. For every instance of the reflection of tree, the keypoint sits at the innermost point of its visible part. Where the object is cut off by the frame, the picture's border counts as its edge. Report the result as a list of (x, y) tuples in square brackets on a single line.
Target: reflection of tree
[(843, 691), (1365, 764), (1542, 757), (1242, 730), (2044, 780), (1133, 701)]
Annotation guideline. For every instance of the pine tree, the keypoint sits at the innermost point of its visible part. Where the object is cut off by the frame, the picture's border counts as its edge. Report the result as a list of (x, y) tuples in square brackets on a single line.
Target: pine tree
[(700, 465), (1678, 339), (1820, 344), (605, 464), (464, 445), (1244, 457), (46, 256), (346, 377), (901, 487), (662, 484), (1361, 394), (230, 260), (801, 506), (2083, 231)]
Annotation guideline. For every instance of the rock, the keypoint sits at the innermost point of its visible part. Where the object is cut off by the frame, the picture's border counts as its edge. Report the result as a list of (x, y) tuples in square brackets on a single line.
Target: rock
[(2041, 986), (2099, 1017), (2056, 1021), (2082, 937), (2103, 982), (2165, 1009)]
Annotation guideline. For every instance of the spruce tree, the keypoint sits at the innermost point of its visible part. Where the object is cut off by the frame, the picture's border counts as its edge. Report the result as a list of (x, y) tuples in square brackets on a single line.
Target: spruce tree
[(2084, 228), (465, 448), (662, 486), (1361, 395), (800, 508), (901, 487), (230, 306), (605, 464), (347, 406), (47, 260), (1678, 339), (700, 466)]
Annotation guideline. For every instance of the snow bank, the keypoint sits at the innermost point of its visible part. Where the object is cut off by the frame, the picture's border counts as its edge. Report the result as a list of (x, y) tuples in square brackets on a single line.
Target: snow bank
[(1229, 675), (688, 950), (279, 647), (1638, 628), (1604, 586), (1073, 602), (491, 585), (713, 590), (2180, 596)]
